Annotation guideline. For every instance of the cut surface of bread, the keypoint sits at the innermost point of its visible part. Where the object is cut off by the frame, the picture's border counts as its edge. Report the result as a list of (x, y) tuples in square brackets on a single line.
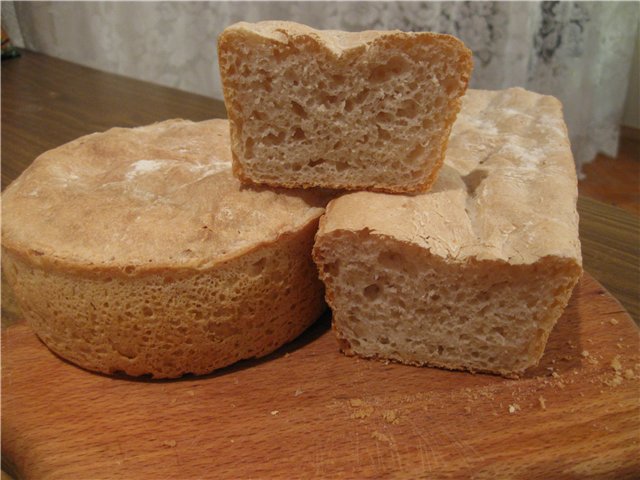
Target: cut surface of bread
[(137, 251), (475, 273), (370, 110)]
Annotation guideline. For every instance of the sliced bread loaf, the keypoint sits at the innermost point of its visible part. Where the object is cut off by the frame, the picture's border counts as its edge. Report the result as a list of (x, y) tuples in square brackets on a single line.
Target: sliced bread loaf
[(474, 274), (136, 250), (369, 110)]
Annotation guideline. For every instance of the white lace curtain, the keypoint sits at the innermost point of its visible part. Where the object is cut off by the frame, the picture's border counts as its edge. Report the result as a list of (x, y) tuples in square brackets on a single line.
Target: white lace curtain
[(578, 51)]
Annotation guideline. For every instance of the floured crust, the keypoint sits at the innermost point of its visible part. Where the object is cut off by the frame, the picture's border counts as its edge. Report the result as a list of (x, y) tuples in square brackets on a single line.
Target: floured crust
[(90, 203), (507, 190)]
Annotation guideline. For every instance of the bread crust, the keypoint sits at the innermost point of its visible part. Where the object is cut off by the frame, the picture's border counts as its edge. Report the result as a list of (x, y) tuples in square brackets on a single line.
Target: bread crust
[(507, 191), (502, 212), (192, 272), (339, 46)]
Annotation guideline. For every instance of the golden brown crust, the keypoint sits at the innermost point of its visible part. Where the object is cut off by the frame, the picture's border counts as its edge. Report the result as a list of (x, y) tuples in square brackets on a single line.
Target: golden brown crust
[(136, 250)]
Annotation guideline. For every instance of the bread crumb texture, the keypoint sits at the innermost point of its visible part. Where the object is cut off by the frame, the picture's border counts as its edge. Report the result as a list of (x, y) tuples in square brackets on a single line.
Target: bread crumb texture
[(475, 273), (381, 437), (137, 251), (370, 110), (391, 416), (514, 408)]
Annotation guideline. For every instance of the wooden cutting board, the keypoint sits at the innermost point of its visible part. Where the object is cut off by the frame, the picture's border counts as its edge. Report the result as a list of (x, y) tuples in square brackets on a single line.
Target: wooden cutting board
[(309, 412)]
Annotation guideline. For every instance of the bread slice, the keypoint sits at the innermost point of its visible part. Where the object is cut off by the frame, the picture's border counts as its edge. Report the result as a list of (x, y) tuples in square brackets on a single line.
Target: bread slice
[(369, 110), (136, 250), (474, 274)]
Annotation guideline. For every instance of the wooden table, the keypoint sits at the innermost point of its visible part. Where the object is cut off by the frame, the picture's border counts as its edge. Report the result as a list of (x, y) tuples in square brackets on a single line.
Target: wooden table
[(47, 102)]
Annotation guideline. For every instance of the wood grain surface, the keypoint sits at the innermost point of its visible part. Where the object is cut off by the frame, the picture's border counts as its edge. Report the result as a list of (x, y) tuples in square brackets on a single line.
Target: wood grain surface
[(307, 411)]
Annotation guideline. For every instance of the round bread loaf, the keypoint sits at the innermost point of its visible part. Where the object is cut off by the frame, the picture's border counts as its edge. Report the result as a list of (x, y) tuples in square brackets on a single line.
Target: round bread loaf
[(137, 251)]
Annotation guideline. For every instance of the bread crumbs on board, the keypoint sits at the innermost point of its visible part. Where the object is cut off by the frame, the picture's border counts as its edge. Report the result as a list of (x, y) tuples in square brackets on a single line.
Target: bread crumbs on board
[(613, 321), (169, 443), (543, 402), (615, 363), (617, 377), (513, 408), (362, 412), (381, 437), (361, 409), (613, 381), (391, 416)]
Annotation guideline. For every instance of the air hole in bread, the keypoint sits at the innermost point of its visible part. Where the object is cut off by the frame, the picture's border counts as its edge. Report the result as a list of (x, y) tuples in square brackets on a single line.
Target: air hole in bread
[(408, 109), (395, 66), (450, 84), (417, 151), (248, 148), (327, 99), (498, 330), (298, 134), (316, 162), (147, 312), (384, 117), (341, 166), (273, 139), (298, 109), (348, 105), (372, 291), (383, 134), (338, 79)]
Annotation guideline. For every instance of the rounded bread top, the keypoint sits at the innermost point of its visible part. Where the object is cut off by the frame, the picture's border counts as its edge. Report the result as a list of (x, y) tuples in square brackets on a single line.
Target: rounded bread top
[(507, 191), (336, 41), (145, 198)]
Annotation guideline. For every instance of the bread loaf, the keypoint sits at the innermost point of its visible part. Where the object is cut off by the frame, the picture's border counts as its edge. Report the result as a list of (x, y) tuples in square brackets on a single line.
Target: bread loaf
[(137, 251), (474, 274), (369, 110)]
